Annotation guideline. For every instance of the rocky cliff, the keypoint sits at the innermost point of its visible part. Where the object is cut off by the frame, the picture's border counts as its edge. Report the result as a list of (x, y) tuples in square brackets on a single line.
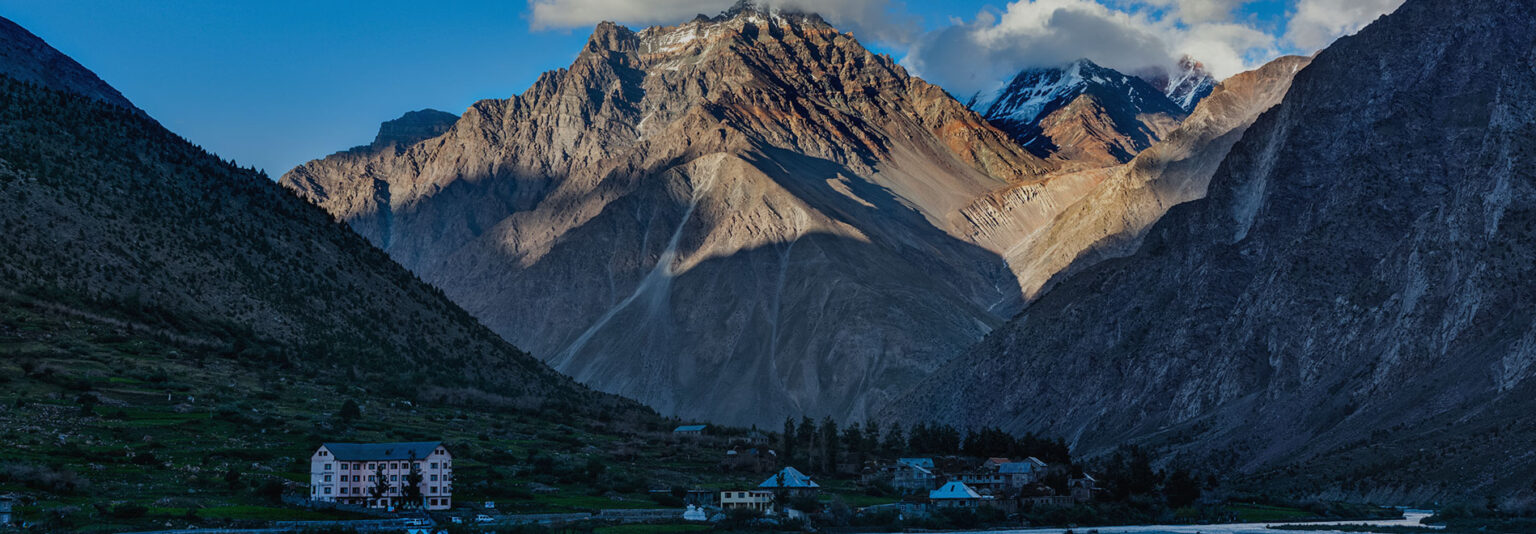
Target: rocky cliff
[(411, 128), (1353, 292), (737, 218)]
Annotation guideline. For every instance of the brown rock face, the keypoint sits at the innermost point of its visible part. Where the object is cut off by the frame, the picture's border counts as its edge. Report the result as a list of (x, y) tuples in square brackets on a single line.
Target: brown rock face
[(737, 218)]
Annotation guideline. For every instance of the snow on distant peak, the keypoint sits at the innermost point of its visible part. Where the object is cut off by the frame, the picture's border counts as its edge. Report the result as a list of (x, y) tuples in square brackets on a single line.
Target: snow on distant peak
[(1032, 91)]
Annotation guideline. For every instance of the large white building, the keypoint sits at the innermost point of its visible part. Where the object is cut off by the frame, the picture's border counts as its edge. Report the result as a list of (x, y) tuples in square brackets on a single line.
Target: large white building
[(349, 473)]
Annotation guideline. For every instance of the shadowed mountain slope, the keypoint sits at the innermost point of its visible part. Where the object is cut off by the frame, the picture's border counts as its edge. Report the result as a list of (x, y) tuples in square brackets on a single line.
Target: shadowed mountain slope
[(107, 214), (1354, 291)]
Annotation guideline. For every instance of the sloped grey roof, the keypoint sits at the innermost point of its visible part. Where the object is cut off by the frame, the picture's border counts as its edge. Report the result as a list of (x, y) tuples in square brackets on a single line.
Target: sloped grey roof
[(954, 490), (793, 478), (382, 451), (1020, 467)]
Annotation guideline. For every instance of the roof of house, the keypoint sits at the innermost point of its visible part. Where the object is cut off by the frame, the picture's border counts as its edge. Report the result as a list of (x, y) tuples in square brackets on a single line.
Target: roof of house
[(1020, 467), (998, 461), (382, 451), (914, 467), (954, 490), (793, 478), (690, 428), (920, 462)]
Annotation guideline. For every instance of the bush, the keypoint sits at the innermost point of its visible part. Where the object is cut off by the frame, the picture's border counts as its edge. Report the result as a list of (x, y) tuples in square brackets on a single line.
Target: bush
[(43, 478), (128, 510)]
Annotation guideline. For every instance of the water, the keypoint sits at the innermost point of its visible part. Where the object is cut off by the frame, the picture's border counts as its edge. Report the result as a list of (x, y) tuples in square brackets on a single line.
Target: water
[(1411, 518)]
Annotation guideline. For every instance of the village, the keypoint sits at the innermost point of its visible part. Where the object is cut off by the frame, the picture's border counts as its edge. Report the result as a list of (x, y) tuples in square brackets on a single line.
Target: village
[(413, 483)]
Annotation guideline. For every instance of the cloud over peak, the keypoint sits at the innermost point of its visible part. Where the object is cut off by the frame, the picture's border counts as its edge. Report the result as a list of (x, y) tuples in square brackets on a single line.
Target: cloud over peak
[(966, 56)]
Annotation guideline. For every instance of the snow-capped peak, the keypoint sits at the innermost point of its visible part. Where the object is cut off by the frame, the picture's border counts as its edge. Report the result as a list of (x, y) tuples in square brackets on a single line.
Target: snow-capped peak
[(1033, 92)]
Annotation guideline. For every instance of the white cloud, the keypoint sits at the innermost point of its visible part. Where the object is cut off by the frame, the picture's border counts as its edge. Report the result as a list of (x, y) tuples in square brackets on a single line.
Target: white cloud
[(875, 20), (968, 56), (550, 14), (974, 56), (1318, 22), (1198, 11)]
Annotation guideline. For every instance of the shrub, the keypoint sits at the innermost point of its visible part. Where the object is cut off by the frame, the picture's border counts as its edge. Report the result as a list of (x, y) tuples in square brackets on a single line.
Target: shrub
[(43, 478), (128, 510)]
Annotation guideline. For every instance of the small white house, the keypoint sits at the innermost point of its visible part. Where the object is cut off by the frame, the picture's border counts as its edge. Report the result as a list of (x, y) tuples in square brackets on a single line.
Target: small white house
[(757, 500)]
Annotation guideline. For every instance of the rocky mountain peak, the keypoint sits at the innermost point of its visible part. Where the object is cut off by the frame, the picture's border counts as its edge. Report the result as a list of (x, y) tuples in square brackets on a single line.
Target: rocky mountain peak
[(413, 127), (1186, 84), (603, 216)]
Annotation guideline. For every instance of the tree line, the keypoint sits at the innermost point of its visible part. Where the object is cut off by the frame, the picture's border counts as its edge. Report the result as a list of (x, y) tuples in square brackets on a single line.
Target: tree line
[(821, 447)]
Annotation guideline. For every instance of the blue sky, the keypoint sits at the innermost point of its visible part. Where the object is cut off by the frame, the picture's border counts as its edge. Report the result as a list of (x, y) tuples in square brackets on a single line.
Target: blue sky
[(274, 83)]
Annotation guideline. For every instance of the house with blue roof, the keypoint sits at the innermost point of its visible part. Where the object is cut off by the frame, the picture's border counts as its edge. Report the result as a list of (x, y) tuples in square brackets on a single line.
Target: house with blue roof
[(378, 475), (954, 495), (791, 481), (689, 430)]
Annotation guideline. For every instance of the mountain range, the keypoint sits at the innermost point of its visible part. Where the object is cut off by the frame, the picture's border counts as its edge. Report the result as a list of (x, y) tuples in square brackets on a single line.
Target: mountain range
[(1315, 274), (1352, 292), (750, 216)]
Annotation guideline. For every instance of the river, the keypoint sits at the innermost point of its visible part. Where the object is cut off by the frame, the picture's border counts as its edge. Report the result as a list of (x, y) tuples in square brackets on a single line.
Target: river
[(1411, 518)]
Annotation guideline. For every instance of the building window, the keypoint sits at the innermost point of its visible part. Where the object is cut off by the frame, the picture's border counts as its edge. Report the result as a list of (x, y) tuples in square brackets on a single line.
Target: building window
[(370, 478), (370, 467), (327, 491), (344, 466), (313, 490), (327, 467), (393, 478), (418, 465), (393, 465), (434, 478), (432, 465), (357, 478), (343, 490), (327, 478)]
